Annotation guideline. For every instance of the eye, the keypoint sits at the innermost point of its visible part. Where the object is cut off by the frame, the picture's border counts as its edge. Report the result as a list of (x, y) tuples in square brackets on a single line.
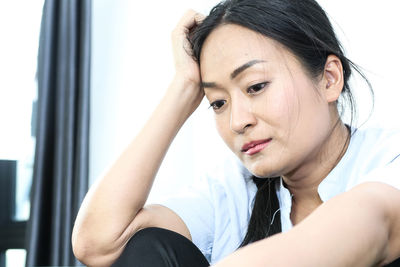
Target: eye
[(216, 105), (256, 88)]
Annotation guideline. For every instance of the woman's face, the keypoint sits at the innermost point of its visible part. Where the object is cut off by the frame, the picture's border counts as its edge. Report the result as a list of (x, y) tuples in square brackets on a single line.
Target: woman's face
[(268, 110)]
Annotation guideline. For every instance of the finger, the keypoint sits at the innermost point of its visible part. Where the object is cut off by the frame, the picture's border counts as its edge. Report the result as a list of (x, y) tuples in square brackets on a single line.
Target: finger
[(198, 17), (189, 20)]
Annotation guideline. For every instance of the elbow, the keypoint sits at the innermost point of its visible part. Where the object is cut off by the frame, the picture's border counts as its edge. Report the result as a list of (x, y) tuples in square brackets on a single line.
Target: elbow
[(90, 257), (87, 251), (82, 249), (82, 255), (90, 252)]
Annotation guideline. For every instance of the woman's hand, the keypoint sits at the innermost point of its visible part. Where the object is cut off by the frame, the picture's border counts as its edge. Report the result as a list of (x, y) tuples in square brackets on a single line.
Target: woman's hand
[(187, 78)]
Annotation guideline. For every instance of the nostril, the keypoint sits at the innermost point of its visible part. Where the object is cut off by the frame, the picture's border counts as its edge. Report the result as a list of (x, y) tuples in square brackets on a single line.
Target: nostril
[(240, 129)]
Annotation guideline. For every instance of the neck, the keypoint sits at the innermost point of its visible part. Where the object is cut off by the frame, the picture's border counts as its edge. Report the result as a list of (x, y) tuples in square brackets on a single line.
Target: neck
[(303, 181)]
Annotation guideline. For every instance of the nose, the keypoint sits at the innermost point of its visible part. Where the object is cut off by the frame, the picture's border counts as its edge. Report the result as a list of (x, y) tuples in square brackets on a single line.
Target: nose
[(242, 116)]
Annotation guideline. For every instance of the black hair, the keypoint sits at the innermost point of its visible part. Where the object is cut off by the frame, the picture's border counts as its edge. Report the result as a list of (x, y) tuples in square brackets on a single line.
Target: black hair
[(303, 27)]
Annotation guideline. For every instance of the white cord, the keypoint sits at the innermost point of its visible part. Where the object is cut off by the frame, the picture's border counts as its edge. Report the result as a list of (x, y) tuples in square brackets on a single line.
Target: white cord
[(273, 216)]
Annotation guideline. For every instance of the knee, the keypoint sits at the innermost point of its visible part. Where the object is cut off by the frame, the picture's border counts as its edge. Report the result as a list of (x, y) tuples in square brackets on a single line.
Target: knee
[(160, 247), (148, 244), (151, 235)]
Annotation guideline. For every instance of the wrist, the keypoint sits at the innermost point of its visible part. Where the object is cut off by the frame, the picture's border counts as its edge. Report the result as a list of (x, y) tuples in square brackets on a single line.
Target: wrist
[(185, 94), (184, 84)]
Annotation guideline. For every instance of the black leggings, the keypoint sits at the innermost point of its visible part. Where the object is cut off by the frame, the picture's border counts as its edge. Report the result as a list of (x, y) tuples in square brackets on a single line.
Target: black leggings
[(157, 247)]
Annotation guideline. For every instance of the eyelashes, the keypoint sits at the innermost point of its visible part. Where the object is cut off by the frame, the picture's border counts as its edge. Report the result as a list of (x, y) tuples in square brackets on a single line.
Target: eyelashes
[(256, 88), (216, 105), (252, 90)]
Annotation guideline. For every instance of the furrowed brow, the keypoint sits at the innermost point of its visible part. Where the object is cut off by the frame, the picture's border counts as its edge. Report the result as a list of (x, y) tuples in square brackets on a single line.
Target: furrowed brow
[(208, 85), (235, 73)]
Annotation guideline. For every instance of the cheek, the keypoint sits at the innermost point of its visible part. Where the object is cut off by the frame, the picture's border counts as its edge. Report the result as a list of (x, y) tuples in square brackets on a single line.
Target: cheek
[(306, 116), (223, 128), (277, 107)]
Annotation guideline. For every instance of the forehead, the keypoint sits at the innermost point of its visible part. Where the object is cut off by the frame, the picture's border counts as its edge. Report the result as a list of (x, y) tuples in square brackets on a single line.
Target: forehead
[(229, 46)]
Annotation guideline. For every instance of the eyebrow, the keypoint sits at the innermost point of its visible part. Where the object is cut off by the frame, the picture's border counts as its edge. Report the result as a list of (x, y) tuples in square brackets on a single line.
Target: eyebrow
[(235, 73)]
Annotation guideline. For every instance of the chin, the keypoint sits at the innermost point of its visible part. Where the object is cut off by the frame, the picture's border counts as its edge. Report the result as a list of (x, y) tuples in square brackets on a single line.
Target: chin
[(260, 170), (261, 175)]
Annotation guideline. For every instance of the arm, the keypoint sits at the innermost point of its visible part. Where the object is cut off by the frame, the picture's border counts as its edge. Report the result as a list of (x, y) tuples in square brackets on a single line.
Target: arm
[(113, 211), (358, 228)]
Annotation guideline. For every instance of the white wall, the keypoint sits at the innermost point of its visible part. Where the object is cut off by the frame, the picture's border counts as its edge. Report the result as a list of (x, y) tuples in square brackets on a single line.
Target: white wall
[(132, 67), (369, 31)]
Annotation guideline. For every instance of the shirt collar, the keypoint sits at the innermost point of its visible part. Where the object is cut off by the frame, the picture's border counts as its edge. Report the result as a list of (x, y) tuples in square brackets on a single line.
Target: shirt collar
[(336, 181), (332, 185)]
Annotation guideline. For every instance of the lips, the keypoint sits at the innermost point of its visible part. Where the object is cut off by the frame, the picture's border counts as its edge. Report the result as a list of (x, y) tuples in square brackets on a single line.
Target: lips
[(255, 146)]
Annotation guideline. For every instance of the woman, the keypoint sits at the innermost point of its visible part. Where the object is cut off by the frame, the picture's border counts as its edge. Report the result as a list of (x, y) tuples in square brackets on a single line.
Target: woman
[(324, 193)]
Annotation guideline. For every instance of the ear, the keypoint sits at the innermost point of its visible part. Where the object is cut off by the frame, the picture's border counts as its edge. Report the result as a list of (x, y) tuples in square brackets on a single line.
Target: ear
[(332, 80)]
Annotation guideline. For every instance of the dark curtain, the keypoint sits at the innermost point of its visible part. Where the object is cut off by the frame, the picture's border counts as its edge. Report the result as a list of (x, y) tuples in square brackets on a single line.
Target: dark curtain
[(60, 175)]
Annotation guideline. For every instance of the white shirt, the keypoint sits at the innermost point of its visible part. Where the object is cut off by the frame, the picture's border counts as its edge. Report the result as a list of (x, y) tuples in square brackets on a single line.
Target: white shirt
[(217, 209), (372, 155)]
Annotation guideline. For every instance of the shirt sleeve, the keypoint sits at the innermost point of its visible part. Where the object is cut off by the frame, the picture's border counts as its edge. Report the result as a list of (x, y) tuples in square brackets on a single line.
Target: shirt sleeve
[(388, 174), (195, 207)]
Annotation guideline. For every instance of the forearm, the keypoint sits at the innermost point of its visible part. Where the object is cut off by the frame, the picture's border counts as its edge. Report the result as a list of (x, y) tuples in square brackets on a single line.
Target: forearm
[(113, 202), (349, 230)]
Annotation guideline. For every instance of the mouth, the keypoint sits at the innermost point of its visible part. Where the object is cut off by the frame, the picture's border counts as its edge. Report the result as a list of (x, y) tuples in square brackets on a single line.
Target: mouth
[(255, 146)]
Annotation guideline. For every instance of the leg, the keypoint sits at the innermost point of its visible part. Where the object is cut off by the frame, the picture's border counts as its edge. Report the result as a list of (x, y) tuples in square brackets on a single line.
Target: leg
[(157, 247), (395, 263)]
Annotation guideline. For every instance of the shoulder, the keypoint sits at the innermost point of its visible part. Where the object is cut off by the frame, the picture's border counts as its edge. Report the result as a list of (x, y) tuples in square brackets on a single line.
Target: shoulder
[(374, 155), (377, 136), (232, 186), (374, 147), (229, 177), (375, 139), (227, 167)]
